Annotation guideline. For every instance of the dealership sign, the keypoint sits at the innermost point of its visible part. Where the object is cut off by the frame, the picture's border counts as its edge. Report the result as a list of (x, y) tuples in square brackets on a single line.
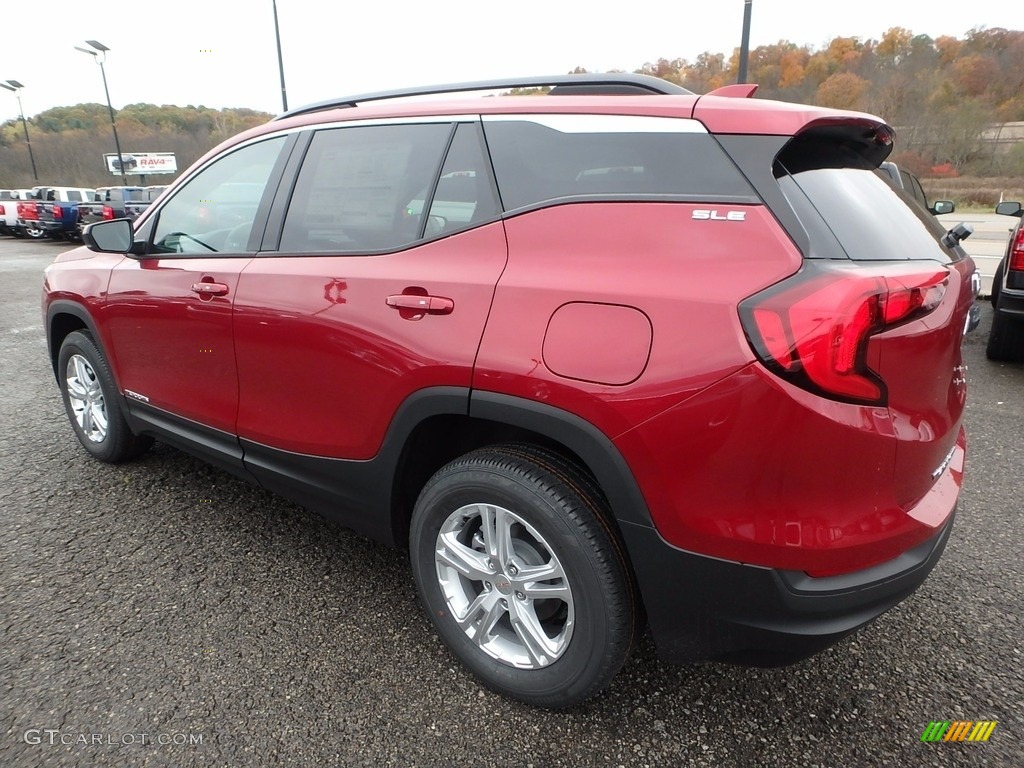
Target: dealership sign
[(142, 163)]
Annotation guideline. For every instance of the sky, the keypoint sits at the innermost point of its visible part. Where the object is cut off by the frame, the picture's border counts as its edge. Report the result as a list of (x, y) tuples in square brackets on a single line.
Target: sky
[(221, 53)]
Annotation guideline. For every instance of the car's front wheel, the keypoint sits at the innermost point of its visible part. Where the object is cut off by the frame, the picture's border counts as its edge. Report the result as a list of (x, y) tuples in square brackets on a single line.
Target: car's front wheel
[(89, 393), (522, 576)]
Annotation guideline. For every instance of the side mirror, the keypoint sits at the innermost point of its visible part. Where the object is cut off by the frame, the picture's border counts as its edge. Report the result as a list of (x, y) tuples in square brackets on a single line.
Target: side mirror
[(960, 232), (1009, 209), (435, 226), (114, 236), (940, 207)]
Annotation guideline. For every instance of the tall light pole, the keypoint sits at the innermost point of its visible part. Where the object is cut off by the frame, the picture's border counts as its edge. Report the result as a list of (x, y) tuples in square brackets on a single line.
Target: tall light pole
[(280, 61), (100, 55), (741, 77), (14, 85)]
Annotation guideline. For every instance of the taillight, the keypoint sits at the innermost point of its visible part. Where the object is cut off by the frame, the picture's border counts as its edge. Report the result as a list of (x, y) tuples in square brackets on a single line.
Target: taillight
[(108, 212), (27, 211), (813, 329), (1017, 251), (58, 213), (2, 211)]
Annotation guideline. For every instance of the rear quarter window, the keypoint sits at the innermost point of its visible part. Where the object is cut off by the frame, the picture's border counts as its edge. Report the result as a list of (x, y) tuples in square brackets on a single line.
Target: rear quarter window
[(542, 159)]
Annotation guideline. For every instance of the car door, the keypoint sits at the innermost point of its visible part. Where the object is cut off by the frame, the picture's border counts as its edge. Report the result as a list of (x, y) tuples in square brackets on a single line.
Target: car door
[(376, 287), (168, 312)]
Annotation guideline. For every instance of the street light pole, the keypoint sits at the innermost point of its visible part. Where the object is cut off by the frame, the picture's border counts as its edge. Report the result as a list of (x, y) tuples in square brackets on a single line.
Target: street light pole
[(280, 61), (100, 57), (15, 86), (745, 42)]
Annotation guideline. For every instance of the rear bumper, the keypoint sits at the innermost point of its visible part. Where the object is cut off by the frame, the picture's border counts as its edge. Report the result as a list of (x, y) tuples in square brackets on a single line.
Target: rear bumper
[(1011, 302), (703, 608), (49, 226)]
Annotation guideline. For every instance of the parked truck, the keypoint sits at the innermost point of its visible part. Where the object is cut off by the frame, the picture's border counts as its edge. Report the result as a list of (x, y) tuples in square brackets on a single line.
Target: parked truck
[(109, 203), (134, 208), (9, 199), (53, 212)]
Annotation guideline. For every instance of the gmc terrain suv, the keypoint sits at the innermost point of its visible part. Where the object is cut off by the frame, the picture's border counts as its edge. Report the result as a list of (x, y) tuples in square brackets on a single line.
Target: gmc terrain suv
[(615, 357)]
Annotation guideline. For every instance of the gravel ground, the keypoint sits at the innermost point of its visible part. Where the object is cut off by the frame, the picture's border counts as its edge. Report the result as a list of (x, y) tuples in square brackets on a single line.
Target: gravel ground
[(163, 613)]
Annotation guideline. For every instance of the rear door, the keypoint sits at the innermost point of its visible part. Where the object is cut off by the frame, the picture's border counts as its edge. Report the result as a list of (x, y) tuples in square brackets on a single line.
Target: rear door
[(376, 286)]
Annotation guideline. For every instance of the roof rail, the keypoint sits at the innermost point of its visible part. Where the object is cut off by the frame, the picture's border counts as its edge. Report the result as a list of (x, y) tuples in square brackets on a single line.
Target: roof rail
[(619, 83)]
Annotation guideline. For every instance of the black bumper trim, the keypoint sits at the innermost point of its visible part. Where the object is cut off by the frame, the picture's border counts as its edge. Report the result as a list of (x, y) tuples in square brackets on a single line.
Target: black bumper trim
[(702, 608)]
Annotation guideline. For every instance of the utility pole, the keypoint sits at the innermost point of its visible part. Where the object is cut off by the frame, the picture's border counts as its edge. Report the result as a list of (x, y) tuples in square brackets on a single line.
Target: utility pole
[(100, 57), (14, 85), (280, 61), (745, 44)]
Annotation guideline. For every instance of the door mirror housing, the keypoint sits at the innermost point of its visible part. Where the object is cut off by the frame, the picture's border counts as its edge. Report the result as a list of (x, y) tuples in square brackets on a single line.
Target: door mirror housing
[(1009, 208), (114, 236), (940, 207)]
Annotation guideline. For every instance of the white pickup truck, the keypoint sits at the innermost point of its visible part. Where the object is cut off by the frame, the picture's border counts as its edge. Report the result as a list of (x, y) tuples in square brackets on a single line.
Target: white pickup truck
[(9, 210)]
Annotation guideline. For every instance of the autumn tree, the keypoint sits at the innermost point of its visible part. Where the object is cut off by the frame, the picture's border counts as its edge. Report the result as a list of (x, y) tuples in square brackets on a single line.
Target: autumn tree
[(843, 90)]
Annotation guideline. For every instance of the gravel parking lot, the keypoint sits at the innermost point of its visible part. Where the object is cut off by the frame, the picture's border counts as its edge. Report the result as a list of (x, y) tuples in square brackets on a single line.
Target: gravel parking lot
[(164, 613)]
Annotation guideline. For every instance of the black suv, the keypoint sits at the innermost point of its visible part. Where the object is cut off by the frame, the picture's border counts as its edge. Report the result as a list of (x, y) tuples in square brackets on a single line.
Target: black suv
[(1006, 339)]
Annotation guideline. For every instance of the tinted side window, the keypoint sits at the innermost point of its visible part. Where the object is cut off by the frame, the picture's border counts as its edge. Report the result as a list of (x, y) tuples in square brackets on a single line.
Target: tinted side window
[(918, 192), (354, 188), (464, 195), (214, 211), (551, 157), (869, 217)]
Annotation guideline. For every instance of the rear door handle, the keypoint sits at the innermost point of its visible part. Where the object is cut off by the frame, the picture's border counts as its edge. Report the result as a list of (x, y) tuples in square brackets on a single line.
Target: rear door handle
[(430, 305), (209, 289)]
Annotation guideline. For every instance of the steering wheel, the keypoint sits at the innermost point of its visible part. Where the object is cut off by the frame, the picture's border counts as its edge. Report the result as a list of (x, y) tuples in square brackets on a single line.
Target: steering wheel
[(237, 240)]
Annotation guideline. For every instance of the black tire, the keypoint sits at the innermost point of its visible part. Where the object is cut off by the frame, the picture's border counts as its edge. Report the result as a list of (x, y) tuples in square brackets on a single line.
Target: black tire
[(91, 400), (997, 284), (1006, 338), (557, 520)]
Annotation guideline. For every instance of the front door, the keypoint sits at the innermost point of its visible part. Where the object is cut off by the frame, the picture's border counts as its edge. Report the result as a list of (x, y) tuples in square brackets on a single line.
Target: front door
[(168, 313)]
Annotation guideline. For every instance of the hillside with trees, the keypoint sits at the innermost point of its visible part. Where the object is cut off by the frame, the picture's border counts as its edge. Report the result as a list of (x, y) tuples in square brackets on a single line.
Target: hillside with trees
[(947, 97), (69, 142)]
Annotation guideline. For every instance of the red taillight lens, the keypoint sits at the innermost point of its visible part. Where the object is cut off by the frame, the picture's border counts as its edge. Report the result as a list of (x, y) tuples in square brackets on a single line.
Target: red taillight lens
[(813, 329), (27, 211), (1017, 251), (108, 212), (2, 211), (58, 212)]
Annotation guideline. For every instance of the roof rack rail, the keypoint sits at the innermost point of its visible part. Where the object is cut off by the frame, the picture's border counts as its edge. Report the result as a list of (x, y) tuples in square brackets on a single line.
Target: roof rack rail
[(618, 83)]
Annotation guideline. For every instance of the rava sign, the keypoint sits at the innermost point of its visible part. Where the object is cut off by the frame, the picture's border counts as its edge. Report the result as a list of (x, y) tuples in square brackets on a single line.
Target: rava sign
[(142, 163)]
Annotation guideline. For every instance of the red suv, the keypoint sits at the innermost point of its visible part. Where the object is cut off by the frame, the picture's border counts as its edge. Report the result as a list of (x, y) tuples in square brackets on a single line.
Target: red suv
[(612, 357)]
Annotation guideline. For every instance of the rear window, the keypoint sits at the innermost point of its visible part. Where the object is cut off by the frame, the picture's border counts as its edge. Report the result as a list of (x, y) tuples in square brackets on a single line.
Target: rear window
[(871, 219), (546, 158)]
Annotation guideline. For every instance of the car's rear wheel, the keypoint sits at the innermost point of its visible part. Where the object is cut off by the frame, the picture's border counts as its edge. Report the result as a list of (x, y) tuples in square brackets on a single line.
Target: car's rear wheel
[(33, 232), (522, 576), (90, 399)]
